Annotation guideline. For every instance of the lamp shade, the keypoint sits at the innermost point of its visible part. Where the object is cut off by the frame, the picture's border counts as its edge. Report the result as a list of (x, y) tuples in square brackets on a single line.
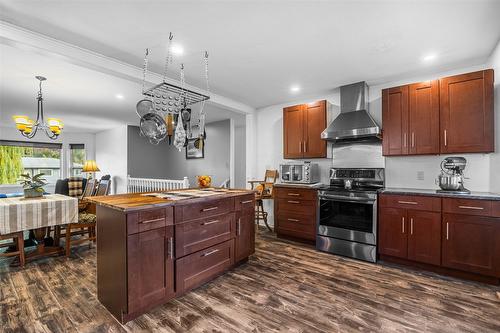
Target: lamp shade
[(90, 166)]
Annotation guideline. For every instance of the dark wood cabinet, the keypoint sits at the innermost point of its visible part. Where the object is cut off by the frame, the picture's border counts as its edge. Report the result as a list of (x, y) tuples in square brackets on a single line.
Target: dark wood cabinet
[(154, 250), (449, 115), (424, 237), (393, 239), (150, 268), (244, 243), (423, 118), (466, 109), (395, 121), (471, 243), (302, 127), (457, 236), (413, 234), (295, 211)]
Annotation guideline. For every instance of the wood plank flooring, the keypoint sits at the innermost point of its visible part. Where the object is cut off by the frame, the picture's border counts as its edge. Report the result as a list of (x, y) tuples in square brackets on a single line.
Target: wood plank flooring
[(285, 287)]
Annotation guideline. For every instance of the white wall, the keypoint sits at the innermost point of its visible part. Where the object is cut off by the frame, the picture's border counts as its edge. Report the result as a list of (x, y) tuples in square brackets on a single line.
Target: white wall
[(66, 138), (494, 63), (111, 157), (483, 169)]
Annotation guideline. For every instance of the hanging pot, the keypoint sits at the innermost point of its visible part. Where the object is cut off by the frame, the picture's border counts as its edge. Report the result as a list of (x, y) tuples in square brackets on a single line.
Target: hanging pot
[(143, 107), (153, 127)]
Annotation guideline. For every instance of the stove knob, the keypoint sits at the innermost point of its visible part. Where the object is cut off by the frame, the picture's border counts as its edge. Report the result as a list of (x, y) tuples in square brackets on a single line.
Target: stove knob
[(307, 172)]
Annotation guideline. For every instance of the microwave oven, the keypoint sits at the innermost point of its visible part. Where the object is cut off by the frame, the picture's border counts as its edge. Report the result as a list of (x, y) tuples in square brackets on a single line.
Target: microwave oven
[(299, 172)]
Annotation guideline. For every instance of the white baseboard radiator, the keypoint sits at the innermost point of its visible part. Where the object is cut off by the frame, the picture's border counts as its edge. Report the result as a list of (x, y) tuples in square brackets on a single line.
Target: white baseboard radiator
[(135, 185)]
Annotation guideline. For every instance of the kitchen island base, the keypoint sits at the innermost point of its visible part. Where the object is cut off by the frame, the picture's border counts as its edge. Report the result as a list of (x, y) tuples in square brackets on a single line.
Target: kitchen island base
[(149, 254)]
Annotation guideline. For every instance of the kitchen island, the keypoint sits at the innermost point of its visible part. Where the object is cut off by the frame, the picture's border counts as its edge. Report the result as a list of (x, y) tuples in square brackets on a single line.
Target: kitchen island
[(154, 247)]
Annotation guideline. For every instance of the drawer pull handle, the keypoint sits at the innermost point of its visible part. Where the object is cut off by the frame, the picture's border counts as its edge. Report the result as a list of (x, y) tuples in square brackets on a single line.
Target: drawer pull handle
[(293, 220), (210, 222), (293, 201), (209, 253), (246, 202), (408, 202), (209, 209), (294, 194), (403, 224), (471, 207), (151, 221)]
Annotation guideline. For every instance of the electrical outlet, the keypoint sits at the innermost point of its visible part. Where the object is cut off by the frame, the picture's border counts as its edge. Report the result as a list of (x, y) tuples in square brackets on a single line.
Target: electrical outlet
[(420, 175)]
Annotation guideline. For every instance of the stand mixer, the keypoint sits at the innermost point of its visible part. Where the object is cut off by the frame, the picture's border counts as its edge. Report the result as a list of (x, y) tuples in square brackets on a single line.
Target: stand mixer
[(452, 177)]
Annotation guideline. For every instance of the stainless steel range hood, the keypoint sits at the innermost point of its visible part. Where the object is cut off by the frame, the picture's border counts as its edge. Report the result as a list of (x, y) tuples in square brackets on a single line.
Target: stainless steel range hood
[(354, 123)]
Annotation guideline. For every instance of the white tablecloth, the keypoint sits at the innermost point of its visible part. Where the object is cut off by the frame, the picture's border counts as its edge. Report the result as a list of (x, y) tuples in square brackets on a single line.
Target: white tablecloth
[(20, 214)]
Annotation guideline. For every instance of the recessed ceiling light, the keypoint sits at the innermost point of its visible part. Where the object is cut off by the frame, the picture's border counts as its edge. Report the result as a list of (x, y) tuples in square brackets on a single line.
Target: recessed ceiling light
[(429, 57), (295, 88), (177, 49), (119, 96)]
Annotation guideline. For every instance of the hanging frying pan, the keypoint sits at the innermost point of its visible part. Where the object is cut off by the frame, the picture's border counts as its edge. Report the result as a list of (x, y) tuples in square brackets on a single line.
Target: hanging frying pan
[(153, 127)]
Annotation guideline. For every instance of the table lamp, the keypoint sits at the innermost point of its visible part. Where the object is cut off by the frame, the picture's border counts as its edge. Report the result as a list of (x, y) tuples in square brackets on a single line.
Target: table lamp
[(91, 167)]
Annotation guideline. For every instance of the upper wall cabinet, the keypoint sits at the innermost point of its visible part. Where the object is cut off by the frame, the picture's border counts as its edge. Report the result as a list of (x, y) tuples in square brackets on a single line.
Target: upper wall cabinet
[(452, 115), (302, 127), (466, 104)]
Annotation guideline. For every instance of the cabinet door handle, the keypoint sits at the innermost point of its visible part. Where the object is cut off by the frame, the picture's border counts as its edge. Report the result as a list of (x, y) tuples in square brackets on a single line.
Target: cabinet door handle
[(151, 221), (293, 201), (170, 247), (305, 146), (404, 139), (210, 222), (293, 220), (209, 252), (238, 229), (447, 231), (408, 202), (413, 139), (403, 224), (300, 146), (445, 138), (411, 226), (209, 209), (246, 202), (471, 207), (294, 194)]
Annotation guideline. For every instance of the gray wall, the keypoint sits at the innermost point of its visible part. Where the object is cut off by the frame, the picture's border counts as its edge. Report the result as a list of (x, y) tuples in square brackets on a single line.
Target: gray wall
[(239, 157), (164, 161)]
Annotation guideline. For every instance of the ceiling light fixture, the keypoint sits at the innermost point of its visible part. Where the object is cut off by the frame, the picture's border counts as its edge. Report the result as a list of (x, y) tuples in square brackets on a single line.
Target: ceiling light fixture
[(28, 127), (177, 49), (429, 57), (119, 96), (295, 88)]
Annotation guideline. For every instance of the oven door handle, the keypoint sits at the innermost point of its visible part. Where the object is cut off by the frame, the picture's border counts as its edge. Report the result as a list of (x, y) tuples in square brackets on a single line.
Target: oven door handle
[(346, 199)]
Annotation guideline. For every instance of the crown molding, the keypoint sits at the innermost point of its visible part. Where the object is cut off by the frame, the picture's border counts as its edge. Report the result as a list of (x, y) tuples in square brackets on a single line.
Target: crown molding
[(29, 40)]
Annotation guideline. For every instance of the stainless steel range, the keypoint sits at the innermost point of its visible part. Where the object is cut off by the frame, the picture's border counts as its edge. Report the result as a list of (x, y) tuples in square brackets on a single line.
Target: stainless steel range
[(347, 223)]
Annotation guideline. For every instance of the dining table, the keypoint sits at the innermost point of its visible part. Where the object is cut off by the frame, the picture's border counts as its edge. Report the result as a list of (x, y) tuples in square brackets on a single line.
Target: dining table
[(39, 215)]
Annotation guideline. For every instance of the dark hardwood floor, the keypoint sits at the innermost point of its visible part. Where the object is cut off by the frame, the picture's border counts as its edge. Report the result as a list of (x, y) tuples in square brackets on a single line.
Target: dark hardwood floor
[(285, 287)]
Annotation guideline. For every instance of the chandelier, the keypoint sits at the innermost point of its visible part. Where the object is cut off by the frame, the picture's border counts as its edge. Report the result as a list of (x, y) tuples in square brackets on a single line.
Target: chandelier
[(29, 128)]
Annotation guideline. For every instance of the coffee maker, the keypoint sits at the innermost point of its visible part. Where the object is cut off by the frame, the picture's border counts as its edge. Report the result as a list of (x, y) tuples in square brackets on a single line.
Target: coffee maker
[(452, 177)]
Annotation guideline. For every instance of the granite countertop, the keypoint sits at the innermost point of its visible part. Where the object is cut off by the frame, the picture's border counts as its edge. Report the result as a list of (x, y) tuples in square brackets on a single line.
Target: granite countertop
[(299, 185), (136, 201), (431, 192)]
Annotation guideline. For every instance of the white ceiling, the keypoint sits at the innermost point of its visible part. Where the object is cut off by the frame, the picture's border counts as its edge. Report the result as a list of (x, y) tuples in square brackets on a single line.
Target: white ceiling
[(258, 49)]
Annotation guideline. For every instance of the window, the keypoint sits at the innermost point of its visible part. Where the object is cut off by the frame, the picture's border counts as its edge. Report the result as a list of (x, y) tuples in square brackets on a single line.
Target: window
[(17, 157), (77, 159)]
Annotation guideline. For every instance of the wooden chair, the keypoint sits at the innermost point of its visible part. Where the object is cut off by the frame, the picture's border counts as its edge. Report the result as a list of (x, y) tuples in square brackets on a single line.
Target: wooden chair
[(18, 241), (86, 221), (264, 192)]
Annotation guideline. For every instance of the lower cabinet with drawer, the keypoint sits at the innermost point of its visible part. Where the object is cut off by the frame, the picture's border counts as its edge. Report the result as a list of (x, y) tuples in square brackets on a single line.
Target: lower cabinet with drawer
[(148, 256), (456, 236), (295, 211)]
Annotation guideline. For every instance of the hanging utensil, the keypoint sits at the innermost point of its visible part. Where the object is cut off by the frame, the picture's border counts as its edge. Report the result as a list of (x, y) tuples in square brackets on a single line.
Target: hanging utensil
[(170, 127), (153, 127), (180, 135)]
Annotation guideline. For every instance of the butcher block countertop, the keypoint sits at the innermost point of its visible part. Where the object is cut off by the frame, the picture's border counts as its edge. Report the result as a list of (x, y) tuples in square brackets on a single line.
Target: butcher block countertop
[(137, 201)]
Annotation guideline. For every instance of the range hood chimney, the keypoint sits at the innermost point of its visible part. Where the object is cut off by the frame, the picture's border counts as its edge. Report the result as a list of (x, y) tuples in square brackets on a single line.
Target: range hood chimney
[(354, 123)]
